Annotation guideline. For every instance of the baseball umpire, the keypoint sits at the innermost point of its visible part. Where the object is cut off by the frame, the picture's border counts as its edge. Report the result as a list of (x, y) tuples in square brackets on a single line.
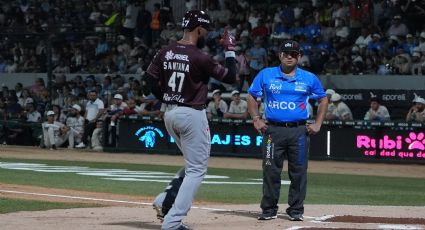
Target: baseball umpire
[(180, 74), (286, 90)]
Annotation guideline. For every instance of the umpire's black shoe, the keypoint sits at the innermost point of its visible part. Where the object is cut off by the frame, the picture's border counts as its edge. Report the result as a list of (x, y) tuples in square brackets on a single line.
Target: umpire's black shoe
[(295, 217), (184, 227), (267, 216)]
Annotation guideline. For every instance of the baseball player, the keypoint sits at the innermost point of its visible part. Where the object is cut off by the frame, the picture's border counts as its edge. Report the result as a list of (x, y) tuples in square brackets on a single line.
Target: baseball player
[(179, 75), (286, 89)]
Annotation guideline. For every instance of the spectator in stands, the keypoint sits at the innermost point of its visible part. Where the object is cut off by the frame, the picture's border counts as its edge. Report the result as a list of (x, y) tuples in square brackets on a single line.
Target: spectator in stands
[(67, 96), (130, 22), (123, 45), (59, 114), (216, 107), (2, 65), (376, 44), (131, 109), (402, 62), (414, 12), (169, 33), (341, 112), (418, 64), (31, 114), (102, 47), (409, 44), (261, 107), (331, 67), (421, 46), (417, 111), (38, 87), (13, 109), (75, 122), (62, 68), (341, 29), (94, 111), (238, 108), (397, 28), (156, 22), (2, 109), (106, 87), (117, 104), (243, 68), (11, 66), (4, 92), (331, 106), (377, 112), (18, 89), (151, 106), (54, 133), (364, 38), (260, 30), (392, 45), (143, 28), (257, 57), (97, 136), (25, 98), (89, 84)]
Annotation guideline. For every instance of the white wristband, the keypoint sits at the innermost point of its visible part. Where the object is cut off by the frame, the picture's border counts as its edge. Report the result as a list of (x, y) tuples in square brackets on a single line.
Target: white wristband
[(229, 54)]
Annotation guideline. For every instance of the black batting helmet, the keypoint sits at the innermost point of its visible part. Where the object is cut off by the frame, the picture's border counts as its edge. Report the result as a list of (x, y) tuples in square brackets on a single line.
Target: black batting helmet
[(195, 18)]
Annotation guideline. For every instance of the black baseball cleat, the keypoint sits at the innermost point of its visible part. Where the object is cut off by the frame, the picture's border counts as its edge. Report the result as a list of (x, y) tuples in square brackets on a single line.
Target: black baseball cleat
[(159, 213), (184, 227), (267, 216)]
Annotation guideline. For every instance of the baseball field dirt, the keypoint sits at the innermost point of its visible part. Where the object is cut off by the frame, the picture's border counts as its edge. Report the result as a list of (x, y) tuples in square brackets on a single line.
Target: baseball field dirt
[(137, 213)]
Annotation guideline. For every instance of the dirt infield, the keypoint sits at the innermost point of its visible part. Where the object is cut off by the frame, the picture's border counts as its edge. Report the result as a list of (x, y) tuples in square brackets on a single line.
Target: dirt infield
[(134, 212)]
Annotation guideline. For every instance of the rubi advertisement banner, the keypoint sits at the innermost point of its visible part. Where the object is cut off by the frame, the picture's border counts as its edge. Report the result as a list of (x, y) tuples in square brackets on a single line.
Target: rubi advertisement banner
[(382, 143), (403, 144)]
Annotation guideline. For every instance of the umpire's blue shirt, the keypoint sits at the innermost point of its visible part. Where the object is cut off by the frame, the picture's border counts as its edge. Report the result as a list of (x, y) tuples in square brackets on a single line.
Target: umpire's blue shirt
[(286, 98)]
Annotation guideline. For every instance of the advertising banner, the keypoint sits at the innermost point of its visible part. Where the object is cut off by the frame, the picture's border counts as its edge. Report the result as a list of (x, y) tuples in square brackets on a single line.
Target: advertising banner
[(354, 141)]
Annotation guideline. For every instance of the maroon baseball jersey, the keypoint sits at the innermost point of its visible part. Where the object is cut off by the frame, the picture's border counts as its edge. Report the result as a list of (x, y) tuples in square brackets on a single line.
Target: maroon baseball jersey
[(183, 72)]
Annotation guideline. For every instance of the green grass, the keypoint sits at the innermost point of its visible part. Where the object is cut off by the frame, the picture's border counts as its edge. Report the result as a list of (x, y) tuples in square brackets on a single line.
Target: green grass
[(322, 188), (16, 205)]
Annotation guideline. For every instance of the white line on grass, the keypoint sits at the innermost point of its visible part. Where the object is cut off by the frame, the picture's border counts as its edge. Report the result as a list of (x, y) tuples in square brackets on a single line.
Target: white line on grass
[(123, 201), (103, 200)]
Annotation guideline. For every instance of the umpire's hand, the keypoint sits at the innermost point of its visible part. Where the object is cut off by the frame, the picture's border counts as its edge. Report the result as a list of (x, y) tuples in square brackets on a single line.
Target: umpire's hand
[(313, 128), (260, 125)]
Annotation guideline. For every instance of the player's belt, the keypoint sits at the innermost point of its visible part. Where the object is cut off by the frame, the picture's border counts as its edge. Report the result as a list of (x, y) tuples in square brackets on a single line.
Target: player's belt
[(288, 124), (197, 107)]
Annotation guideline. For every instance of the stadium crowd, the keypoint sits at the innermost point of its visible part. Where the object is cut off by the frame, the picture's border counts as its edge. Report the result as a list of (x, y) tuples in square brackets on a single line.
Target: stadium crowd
[(120, 37)]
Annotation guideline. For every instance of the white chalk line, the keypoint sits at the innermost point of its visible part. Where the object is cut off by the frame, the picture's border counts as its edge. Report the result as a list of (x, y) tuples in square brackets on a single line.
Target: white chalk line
[(398, 226), (129, 202), (104, 200), (315, 219)]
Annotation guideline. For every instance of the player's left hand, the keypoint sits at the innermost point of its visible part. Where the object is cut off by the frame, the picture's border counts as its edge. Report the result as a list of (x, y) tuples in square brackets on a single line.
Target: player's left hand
[(313, 128)]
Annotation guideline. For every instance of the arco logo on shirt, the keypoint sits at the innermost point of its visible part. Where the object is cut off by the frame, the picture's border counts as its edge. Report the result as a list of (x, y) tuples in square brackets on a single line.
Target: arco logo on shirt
[(282, 105)]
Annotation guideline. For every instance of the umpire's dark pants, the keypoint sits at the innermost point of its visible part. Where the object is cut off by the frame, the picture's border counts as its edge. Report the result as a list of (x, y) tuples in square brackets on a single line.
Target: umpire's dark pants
[(292, 143)]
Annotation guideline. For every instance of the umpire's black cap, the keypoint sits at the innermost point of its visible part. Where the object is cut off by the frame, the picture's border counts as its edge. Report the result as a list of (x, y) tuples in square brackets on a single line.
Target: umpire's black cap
[(195, 18), (290, 45)]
